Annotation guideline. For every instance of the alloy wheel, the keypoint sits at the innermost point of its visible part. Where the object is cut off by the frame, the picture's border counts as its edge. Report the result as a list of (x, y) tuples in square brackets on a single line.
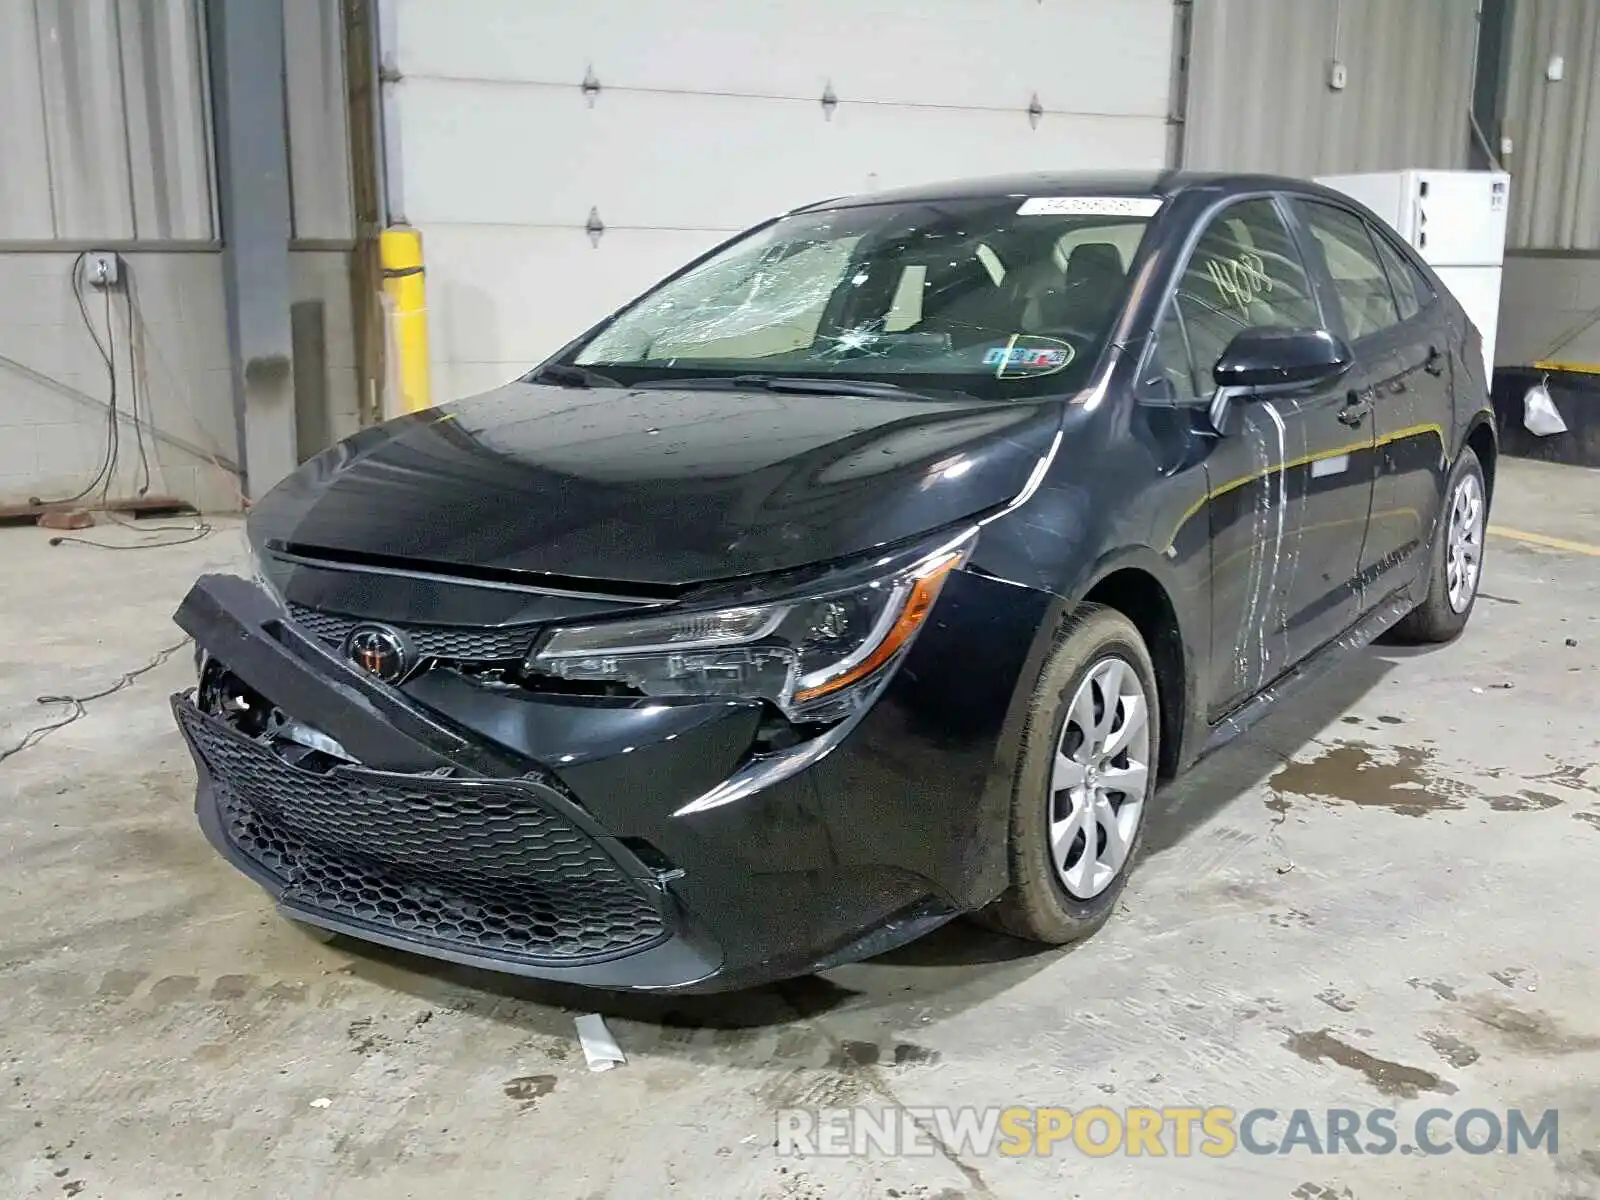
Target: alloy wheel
[(1464, 553), (1097, 786)]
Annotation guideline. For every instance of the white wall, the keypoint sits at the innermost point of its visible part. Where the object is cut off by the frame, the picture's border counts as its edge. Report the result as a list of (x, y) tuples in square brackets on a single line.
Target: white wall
[(708, 119), (53, 383)]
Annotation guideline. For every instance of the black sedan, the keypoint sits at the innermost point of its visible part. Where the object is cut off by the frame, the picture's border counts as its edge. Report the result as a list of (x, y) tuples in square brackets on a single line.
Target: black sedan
[(867, 572)]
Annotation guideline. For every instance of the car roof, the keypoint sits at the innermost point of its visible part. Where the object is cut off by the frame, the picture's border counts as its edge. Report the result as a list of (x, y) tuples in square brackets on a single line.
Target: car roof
[(1079, 183)]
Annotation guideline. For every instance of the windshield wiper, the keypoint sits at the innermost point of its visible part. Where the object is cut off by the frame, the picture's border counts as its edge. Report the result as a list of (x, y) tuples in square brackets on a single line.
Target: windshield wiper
[(566, 375), (798, 384)]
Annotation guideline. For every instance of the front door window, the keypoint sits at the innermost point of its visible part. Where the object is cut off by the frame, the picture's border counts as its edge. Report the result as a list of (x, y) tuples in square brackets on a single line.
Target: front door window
[(1245, 273)]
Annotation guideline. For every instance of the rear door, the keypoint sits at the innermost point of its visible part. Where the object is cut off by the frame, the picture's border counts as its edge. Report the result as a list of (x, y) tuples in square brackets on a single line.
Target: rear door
[(1413, 458), (1400, 388), (1288, 489)]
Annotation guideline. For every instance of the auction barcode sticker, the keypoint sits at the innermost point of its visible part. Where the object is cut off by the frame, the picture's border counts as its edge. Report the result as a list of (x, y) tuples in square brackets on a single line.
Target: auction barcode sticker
[(1090, 206)]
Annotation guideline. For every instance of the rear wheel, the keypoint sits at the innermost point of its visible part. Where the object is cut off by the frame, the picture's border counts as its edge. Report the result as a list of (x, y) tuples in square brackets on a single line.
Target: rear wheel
[(1455, 561), (1085, 779)]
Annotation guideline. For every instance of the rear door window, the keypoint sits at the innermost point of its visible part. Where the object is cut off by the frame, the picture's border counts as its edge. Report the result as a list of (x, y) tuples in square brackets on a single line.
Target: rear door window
[(1412, 292), (1359, 280)]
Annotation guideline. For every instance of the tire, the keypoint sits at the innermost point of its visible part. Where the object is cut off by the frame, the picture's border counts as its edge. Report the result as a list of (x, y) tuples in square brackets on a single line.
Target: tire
[(1038, 905), (1443, 613)]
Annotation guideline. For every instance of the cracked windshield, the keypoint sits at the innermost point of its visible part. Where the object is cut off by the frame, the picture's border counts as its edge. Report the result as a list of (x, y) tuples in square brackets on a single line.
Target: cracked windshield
[(998, 299)]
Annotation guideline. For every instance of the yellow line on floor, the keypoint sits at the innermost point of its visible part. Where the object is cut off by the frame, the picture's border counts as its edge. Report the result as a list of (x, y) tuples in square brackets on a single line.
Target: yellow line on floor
[(1541, 539)]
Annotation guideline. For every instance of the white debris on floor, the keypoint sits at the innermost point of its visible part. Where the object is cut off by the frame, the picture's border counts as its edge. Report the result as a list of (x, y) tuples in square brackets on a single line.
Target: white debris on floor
[(600, 1049)]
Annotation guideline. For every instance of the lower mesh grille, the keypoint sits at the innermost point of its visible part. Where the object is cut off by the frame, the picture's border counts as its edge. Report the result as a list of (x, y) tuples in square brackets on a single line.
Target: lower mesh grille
[(483, 865)]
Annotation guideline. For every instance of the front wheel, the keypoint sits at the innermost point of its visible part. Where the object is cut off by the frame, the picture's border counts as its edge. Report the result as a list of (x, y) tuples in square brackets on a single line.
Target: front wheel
[(1085, 781), (1455, 560)]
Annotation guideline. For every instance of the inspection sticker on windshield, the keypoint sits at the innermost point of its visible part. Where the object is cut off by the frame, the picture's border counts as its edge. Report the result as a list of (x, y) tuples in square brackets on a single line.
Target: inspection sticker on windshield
[(1090, 206), (1037, 358)]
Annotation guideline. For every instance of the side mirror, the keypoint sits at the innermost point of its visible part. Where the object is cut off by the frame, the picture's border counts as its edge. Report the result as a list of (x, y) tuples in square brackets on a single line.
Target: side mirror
[(1280, 358)]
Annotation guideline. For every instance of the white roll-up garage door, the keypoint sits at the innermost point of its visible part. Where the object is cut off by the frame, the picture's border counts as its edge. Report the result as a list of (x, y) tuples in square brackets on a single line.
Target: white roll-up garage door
[(558, 158)]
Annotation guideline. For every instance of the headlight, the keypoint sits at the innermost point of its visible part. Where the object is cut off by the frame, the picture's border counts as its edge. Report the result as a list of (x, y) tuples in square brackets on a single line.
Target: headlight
[(806, 656)]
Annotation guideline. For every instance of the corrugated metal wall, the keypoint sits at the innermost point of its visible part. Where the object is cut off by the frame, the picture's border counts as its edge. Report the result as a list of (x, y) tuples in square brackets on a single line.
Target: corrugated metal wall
[(105, 130), (1554, 125), (319, 158), (1258, 84), (327, 380)]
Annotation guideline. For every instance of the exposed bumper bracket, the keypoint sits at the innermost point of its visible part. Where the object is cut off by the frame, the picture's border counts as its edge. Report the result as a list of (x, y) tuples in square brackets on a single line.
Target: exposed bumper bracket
[(236, 621)]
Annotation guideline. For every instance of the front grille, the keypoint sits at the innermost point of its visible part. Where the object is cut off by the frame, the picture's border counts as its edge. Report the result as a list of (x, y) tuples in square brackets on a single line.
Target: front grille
[(480, 864), (430, 641)]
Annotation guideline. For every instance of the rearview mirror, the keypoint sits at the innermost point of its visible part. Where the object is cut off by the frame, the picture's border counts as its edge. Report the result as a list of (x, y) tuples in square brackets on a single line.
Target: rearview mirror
[(1281, 358)]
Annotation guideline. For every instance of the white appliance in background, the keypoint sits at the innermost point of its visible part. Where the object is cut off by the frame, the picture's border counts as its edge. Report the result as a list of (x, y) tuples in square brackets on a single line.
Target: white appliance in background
[(1456, 220)]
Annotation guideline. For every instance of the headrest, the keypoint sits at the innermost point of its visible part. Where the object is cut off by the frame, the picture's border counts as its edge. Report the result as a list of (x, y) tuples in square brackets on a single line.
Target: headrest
[(1093, 261)]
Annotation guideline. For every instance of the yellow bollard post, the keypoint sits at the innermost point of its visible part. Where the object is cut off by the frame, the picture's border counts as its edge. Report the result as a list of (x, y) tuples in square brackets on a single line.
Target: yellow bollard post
[(400, 251)]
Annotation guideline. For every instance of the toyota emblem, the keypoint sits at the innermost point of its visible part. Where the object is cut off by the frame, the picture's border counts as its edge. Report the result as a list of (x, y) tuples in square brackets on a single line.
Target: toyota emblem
[(379, 650)]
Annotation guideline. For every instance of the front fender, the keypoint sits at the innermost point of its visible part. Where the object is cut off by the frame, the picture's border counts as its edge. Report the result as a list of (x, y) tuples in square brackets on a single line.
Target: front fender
[(1177, 632)]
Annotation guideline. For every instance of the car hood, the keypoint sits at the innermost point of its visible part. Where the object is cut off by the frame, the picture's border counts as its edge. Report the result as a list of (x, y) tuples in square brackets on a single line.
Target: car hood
[(653, 486)]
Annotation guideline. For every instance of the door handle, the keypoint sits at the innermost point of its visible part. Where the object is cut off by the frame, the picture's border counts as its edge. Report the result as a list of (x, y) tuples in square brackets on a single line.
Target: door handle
[(1356, 407), (1435, 363)]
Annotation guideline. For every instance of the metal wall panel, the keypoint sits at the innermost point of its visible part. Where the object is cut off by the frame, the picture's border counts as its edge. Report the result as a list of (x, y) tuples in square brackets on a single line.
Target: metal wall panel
[(105, 136), (1554, 125), (168, 126), (319, 156), (1549, 310), (1259, 95), (107, 132), (81, 70), (24, 150)]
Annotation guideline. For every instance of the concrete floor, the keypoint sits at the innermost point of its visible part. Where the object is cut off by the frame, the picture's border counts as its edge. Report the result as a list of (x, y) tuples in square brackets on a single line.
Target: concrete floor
[(1386, 894)]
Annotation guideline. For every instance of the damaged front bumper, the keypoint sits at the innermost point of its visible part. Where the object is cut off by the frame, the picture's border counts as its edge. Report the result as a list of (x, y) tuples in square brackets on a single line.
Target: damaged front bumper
[(613, 844), (506, 874)]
